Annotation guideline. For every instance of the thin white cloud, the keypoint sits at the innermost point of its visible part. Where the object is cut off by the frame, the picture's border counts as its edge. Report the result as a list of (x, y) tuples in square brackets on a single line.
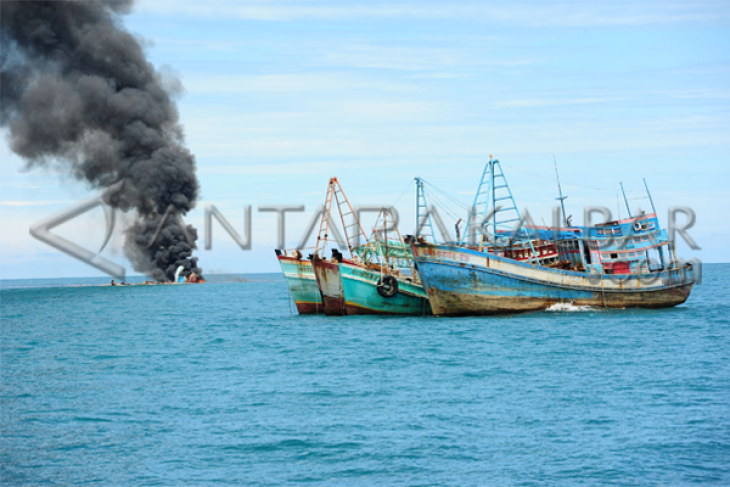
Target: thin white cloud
[(33, 203), (532, 14), (266, 169), (557, 101), (561, 99), (287, 83), (427, 57), (697, 94)]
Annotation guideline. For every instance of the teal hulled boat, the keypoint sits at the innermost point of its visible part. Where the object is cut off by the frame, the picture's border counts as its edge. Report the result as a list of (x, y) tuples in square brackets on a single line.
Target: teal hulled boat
[(302, 284), (383, 280), (367, 292)]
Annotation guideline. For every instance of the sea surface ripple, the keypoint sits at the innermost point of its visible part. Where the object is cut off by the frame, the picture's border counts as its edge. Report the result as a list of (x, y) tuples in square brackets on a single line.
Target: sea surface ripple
[(222, 384)]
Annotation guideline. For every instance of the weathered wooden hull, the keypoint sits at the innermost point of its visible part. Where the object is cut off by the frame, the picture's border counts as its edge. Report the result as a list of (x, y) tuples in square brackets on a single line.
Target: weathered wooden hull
[(302, 284), (330, 286), (460, 281), (361, 294)]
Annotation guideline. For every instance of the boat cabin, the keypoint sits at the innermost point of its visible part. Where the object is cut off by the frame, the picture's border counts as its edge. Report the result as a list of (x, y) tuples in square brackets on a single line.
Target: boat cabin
[(634, 245)]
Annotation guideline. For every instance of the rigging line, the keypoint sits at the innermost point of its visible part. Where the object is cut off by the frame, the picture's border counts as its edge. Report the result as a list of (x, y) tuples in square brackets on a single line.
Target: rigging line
[(564, 183), (444, 209), (404, 192), (435, 201), (439, 203), (448, 211), (447, 195), (438, 196)]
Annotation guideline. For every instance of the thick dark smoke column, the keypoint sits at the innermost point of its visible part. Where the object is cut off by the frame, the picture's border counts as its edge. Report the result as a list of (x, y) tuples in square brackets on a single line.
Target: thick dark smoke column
[(76, 91)]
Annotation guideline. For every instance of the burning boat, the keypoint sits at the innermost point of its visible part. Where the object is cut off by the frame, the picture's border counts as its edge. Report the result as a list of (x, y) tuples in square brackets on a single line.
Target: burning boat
[(532, 268)]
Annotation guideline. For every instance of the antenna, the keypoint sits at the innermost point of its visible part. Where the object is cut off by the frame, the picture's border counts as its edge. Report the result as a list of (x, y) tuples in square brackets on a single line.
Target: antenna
[(560, 190), (649, 195), (625, 200)]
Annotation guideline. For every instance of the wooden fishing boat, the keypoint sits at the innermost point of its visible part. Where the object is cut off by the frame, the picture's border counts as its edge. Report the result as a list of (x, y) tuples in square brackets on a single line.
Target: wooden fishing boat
[(463, 281), (329, 283), (299, 275), (383, 279), (604, 266), (327, 272)]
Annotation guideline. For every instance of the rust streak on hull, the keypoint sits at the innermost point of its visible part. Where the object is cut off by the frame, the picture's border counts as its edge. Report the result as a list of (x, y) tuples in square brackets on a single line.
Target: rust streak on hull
[(330, 286), (461, 281), (449, 303)]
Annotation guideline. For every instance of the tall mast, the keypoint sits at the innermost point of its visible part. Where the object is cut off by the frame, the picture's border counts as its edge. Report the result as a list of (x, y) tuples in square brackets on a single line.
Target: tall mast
[(345, 208), (324, 221), (488, 189), (649, 195), (423, 214), (625, 200), (560, 190), (337, 195)]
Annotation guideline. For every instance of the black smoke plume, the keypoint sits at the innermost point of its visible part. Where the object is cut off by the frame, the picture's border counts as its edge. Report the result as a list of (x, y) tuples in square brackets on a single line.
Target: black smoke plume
[(76, 91)]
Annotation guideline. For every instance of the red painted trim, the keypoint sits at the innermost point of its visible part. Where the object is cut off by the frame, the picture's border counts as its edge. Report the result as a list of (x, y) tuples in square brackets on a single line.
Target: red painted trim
[(289, 258), (358, 310), (334, 306), (309, 308), (633, 219), (544, 227)]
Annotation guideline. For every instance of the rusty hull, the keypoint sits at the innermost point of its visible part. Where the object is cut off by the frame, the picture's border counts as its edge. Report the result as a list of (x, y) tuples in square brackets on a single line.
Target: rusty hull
[(462, 281), (330, 286)]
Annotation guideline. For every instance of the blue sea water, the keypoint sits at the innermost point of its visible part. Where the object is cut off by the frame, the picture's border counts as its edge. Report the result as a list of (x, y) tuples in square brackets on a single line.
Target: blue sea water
[(223, 384)]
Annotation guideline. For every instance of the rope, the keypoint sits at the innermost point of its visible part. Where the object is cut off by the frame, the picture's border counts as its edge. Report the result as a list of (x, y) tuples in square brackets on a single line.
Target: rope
[(447, 195), (401, 195), (592, 188), (443, 207)]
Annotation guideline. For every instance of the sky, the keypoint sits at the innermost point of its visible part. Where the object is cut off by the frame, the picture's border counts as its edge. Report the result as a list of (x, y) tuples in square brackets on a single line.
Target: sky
[(280, 96)]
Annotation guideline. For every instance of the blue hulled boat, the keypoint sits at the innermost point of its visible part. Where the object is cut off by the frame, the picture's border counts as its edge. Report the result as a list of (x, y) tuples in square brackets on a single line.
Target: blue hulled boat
[(508, 270)]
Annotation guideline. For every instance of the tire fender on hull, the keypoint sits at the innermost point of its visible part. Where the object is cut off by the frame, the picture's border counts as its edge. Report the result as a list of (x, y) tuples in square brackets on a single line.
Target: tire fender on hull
[(387, 286)]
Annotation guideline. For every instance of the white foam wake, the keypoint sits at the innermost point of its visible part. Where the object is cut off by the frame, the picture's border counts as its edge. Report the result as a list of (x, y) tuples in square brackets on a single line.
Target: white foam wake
[(569, 307)]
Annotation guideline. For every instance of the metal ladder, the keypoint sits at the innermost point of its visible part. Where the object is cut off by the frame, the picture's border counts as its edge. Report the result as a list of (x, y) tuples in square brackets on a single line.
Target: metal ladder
[(335, 192), (424, 223), (494, 184)]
